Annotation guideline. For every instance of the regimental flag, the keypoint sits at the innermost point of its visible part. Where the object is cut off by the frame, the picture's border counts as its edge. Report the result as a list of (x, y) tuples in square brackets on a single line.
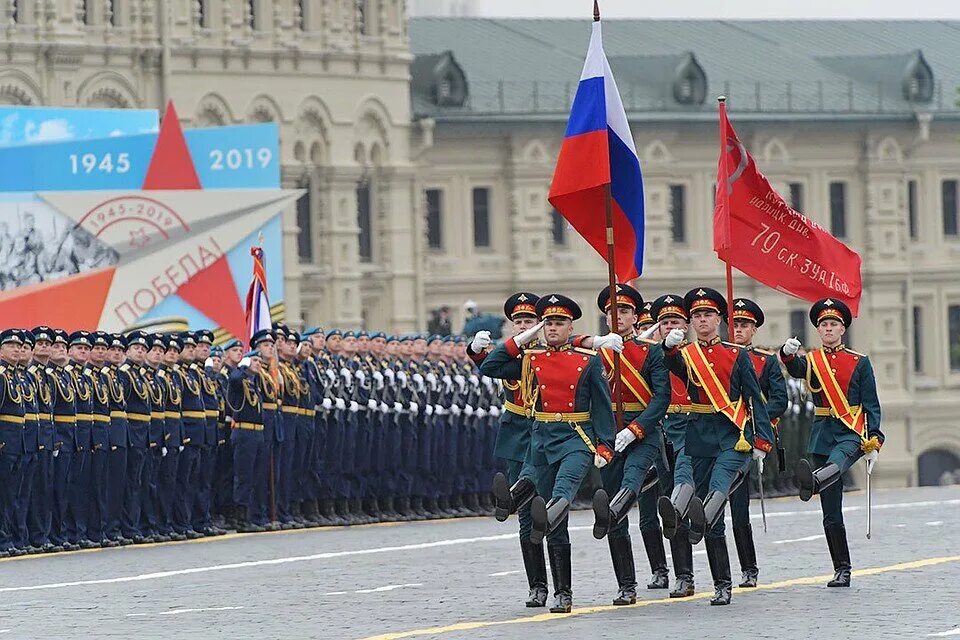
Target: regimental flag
[(258, 305), (757, 232), (598, 150)]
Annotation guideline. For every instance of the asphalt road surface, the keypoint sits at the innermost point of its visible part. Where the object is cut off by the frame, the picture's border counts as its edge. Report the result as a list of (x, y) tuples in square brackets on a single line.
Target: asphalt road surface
[(463, 579)]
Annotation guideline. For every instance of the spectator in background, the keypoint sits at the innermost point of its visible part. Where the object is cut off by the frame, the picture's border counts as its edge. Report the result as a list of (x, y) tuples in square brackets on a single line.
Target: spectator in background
[(439, 324), (476, 321)]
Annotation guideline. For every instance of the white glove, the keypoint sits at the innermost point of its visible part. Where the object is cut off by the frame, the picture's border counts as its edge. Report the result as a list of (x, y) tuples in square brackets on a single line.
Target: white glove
[(428, 410), (415, 408), (402, 377), (481, 413), (354, 407), (624, 438), (397, 407), (460, 380), (598, 461), (244, 363), (610, 341), (447, 382), (181, 448), (431, 378), (361, 376), (440, 411), (372, 404), (417, 378), (208, 362), (526, 337), (480, 341), (759, 455), (378, 377), (340, 404), (652, 331), (163, 452), (467, 409), (331, 375), (495, 411), (327, 404), (455, 410), (871, 459), (474, 380), (56, 452), (384, 408), (674, 338), (488, 383), (390, 374), (791, 346)]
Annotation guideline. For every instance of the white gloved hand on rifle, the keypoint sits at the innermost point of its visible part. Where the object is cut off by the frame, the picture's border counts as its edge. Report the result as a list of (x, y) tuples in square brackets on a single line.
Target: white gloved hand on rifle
[(526, 337), (480, 341)]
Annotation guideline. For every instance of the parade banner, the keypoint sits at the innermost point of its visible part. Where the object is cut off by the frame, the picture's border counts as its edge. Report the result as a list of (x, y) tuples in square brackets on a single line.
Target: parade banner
[(757, 232), (172, 243)]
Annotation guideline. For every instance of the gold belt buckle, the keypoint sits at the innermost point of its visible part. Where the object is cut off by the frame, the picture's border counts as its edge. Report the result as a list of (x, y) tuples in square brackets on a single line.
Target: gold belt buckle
[(559, 416)]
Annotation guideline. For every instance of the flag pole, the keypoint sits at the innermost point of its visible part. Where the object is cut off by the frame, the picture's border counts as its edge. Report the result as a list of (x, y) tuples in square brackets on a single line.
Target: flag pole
[(612, 278), (722, 100)]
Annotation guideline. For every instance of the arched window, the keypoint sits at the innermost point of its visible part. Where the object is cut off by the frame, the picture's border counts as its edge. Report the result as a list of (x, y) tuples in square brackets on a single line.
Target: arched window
[(305, 222)]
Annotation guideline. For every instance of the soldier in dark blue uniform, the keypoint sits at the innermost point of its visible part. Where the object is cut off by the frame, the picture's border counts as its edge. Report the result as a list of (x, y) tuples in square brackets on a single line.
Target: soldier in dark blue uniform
[(246, 409), (167, 485), (268, 473), (194, 419), (290, 392), (79, 499), (41, 499), (201, 515), (311, 461), (100, 439), (747, 318), (728, 421), (31, 442), (64, 440), (118, 457), (131, 376), (224, 480), (846, 426), (11, 439), (566, 392), (150, 522)]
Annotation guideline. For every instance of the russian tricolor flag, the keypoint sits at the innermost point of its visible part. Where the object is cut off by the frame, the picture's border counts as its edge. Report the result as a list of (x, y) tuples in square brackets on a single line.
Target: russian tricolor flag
[(258, 306), (597, 150)]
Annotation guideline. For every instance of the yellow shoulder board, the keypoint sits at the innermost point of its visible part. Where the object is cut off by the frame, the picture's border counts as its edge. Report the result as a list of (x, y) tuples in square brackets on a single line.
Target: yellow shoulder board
[(33, 368), (125, 367), (857, 353), (589, 352), (3, 369), (647, 341), (763, 352)]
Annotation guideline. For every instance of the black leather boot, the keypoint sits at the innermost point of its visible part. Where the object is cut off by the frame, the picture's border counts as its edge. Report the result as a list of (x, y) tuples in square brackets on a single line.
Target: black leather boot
[(536, 570), (401, 505), (674, 509), (388, 511), (560, 568), (703, 515), (653, 543), (509, 499), (417, 510), (486, 503), (621, 552), (373, 510), (840, 553), (343, 508), (243, 523), (747, 553), (682, 553), (607, 513), (811, 482), (719, 569), (546, 516)]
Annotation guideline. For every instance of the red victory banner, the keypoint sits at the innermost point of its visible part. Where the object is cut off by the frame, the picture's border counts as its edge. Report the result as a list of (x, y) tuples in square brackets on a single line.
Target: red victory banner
[(757, 232)]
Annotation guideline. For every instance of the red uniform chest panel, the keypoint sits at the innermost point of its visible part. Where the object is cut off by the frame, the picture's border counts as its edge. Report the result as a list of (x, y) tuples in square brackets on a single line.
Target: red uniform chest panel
[(843, 363), (558, 374), (721, 359), (678, 391), (633, 358), (759, 362)]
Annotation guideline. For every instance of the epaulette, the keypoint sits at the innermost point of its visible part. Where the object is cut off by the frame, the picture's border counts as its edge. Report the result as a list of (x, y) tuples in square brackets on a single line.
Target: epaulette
[(856, 353), (105, 370), (589, 352), (763, 352), (88, 373), (647, 341), (50, 371), (68, 368), (732, 345), (3, 369), (125, 367), (161, 373), (535, 350), (32, 368)]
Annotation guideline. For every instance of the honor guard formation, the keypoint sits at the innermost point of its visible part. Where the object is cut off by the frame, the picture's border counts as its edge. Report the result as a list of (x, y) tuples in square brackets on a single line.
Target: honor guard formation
[(109, 439)]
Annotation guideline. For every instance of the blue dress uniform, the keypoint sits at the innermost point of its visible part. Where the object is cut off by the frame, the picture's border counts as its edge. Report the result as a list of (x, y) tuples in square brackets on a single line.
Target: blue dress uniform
[(100, 447), (845, 427), (79, 499), (223, 479), (247, 440), (677, 486), (117, 458), (201, 516), (150, 521), (167, 479), (774, 391), (11, 441), (645, 388), (310, 482), (567, 393), (514, 491), (41, 498), (410, 503), (194, 419), (291, 414), (729, 420), (31, 443), (64, 444), (131, 376)]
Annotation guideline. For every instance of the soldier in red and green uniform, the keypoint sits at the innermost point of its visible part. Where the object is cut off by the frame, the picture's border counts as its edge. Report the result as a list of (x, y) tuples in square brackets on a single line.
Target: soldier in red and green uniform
[(846, 425), (566, 394)]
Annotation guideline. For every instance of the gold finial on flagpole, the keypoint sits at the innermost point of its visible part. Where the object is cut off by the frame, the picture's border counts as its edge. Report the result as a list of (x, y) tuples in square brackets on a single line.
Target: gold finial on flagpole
[(596, 11)]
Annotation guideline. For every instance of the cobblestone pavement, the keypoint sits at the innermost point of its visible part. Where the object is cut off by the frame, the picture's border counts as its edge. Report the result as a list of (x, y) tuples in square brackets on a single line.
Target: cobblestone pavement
[(462, 579)]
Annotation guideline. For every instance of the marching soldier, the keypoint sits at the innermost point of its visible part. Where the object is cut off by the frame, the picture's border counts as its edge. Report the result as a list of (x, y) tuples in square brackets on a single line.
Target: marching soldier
[(670, 314), (167, 484), (747, 318), (31, 443), (514, 491), (11, 439), (291, 390), (193, 416), (100, 439), (79, 499), (150, 510), (247, 440), (728, 413), (846, 425), (201, 517), (268, 472), (131, 375), (224, 479), (41, 500), (567, 394), (64, 440), (118, 457), (645, 388)]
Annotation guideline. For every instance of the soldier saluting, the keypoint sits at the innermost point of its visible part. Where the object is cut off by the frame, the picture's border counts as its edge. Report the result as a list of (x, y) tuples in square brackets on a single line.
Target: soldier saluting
[(846, 425)]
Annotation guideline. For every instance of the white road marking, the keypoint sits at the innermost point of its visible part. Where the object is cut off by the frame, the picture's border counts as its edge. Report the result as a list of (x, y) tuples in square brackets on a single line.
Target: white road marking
[(4, 630), (943, 634), (175, 612), (451, 542), (336, 593), (934, 523), (807, 538), (504, 573), (389, 587)]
